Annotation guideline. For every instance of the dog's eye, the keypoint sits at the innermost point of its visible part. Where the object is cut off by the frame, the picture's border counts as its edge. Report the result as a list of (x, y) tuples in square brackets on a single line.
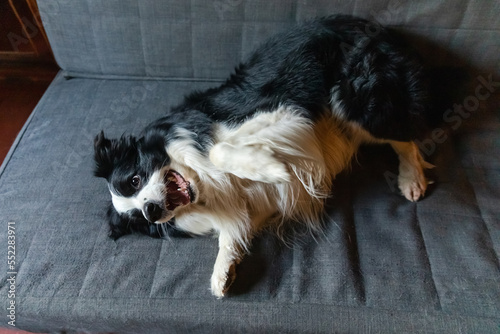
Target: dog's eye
[(136, 181)]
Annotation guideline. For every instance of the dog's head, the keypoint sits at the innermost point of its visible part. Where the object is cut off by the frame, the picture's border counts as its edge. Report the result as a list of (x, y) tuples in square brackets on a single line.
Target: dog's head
[(144, 188)]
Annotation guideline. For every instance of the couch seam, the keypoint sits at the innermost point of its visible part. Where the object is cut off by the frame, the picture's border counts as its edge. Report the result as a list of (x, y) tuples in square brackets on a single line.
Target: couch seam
[(428, 258), (83, 75), (275, 302)]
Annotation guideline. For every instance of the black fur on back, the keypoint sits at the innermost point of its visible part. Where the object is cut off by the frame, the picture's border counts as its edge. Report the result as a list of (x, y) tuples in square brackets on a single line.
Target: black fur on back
[(380, 81)]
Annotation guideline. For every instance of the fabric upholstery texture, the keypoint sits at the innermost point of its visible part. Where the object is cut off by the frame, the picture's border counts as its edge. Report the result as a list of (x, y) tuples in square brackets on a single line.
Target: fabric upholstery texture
[(205, 39), (383, 264)]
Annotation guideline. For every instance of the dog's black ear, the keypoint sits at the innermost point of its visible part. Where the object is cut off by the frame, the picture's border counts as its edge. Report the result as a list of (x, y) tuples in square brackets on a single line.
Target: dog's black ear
[(102, 156), (109, 152)]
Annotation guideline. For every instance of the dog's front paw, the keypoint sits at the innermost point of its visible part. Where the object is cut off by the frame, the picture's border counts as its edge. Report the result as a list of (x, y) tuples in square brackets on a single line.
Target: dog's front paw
[(412, 181), (270, 169), (222, 281), (413, 188)]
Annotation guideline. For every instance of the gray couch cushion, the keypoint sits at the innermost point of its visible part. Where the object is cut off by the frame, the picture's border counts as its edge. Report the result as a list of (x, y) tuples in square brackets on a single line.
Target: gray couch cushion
[(205, 39), (383, 263)]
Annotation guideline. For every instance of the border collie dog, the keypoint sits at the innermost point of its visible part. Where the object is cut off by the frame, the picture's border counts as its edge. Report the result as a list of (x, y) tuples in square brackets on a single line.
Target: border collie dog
[(262, 149)]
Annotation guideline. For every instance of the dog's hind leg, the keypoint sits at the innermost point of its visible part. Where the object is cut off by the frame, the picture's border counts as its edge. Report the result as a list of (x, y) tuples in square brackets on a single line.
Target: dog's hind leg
[(411, 179)]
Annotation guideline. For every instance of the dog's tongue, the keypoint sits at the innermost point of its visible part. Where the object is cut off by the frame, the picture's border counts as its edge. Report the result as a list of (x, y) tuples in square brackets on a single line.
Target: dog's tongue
[(177, 194)]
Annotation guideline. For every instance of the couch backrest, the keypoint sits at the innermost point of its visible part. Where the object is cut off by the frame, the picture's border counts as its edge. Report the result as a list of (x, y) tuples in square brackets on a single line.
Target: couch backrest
[(198, 39)]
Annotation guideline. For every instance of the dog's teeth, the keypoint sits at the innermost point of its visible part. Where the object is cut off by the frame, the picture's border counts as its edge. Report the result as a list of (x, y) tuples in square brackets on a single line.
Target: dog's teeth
[(179, 189)]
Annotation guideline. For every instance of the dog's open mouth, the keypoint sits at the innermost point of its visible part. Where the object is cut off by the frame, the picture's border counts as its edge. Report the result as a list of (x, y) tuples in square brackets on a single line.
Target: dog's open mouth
[(179, 190)]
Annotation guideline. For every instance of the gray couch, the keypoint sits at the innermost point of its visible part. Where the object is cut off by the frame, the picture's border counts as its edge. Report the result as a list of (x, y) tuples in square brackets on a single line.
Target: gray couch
[(383, 265)]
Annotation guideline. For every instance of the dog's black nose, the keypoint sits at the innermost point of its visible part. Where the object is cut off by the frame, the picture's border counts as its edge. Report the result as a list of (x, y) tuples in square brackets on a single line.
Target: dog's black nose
[(152, 211)]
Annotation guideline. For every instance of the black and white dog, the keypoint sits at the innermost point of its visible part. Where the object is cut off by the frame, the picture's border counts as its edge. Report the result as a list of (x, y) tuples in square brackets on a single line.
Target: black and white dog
[(263, 148)]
